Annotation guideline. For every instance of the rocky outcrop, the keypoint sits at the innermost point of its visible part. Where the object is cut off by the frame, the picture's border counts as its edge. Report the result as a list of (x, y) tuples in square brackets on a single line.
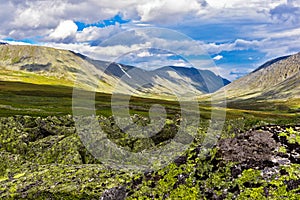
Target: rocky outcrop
[(43, 158)]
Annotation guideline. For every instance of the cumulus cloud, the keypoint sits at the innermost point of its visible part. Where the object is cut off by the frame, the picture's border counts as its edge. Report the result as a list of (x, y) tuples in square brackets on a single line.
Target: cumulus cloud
[(21, 19), (43, 16), (25, 18), (162, 11), (64, 30), (270, 27), (288, 12), (107, 53), (242, 4), (94, 33), (34, 14)]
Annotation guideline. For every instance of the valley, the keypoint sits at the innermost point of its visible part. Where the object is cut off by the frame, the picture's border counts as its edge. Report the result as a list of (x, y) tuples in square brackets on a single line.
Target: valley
[(255, 154)]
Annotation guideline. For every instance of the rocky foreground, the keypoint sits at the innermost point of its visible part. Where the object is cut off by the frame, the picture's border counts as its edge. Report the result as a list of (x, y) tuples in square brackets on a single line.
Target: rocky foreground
[(43, 158)]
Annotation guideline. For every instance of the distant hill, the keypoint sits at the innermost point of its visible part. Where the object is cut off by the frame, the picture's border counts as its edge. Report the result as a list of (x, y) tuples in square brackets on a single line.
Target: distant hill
[(44, 65), (276, 79)]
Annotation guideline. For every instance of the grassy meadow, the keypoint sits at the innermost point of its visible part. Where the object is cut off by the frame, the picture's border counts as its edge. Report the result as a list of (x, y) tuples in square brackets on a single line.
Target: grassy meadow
[(17, 98)]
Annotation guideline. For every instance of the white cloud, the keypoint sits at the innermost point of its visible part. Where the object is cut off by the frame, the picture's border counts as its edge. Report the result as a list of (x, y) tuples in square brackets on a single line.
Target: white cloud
[(21, 19), (218, 57), (93, 33), (143, 54), (108, 53), (286, 33), (270, 26), (278, 47), (238, 44), (242, 4), (282, 33), (161, 11), (287, 13), (14, 42), (64, 30), (277, 44), (229, 73), (180, 64)]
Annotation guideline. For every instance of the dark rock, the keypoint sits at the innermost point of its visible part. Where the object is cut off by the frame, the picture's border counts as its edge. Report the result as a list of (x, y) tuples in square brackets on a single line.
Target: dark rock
[(180, 180), (180, 160), (266, 191), (292, 184), (116, 193), (283, 172), (253, 146), (236, 171)]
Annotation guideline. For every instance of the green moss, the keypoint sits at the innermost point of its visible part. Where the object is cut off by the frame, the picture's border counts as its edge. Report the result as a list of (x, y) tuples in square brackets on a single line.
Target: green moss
[(54, 164), (185, 192), (282, 149), (3, 179), (253, 193), (18, 175), (291, 135)]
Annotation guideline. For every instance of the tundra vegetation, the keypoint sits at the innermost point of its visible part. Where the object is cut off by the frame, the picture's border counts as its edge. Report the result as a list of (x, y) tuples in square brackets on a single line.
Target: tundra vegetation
[(44, 158)]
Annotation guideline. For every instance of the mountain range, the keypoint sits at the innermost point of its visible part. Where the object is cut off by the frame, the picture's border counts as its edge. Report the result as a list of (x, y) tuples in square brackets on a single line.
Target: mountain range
[(276, 79), (44, 65)]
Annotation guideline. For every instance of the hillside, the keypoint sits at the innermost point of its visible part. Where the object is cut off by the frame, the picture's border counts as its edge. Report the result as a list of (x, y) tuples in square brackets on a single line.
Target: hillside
[(44, 65), (49, 66), (276, 79)]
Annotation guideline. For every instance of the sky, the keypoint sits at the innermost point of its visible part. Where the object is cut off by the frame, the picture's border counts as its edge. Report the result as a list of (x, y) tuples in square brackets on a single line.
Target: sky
[(229, 37)]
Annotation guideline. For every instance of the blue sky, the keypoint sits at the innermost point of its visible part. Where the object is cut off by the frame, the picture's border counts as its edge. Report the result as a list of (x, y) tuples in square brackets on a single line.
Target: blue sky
[(237, 35)]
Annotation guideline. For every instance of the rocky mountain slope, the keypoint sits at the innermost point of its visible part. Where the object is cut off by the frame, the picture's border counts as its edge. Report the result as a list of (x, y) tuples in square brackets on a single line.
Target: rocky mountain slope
[(44, 65), (276, 79)]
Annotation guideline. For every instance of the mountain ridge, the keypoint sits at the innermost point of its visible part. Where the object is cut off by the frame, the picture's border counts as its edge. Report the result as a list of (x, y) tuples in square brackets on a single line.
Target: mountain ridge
[(276, 79), (270, 62), (63, 66)]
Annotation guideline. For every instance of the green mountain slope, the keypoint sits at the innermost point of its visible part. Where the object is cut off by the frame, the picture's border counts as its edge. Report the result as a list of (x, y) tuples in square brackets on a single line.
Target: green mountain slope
[(44, 65)]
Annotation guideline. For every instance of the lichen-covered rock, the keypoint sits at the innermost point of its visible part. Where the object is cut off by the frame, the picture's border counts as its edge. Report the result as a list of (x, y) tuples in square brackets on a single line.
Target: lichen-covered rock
[(44, 158), (116, 193), (252, 146)]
